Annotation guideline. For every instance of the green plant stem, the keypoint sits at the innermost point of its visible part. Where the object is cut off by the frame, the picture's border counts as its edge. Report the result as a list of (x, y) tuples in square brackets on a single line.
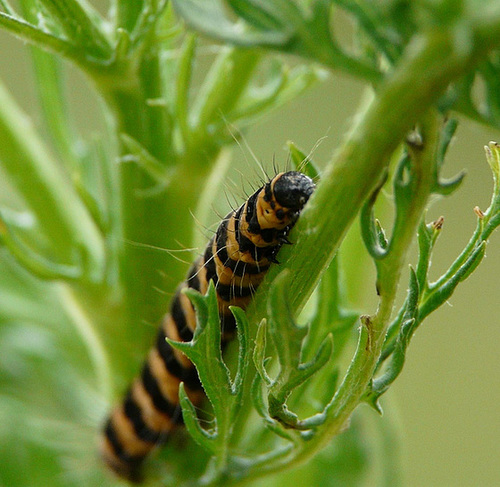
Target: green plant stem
[(430, 64), (148, 214), (372, 334)]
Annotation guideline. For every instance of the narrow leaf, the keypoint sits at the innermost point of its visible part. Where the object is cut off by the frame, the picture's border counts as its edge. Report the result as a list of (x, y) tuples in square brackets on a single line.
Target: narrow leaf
[(35, 263), (81, 24), (369, 232), (200, 435), (242, 328), (259, 353), (445, 290), (58, 209), (182, 86), (210, 18), (37, 37), (303, 162), (305, 371), (146, 160), (255, 14)]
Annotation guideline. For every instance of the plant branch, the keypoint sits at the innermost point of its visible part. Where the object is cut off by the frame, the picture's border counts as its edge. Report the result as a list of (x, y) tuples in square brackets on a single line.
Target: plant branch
[(37, 37), (80, 24), (372, 334), (432, 61)]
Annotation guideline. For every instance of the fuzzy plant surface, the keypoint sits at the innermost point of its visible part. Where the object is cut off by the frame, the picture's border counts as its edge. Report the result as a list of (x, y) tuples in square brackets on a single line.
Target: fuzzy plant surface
[(96, 232)]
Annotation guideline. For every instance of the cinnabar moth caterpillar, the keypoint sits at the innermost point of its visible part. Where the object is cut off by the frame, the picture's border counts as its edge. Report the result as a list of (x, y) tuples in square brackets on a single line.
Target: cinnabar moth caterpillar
[(236, 259)]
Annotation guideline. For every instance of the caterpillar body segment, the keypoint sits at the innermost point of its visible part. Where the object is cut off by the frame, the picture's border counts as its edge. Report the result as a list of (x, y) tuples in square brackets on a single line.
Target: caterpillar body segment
[(236, 259)]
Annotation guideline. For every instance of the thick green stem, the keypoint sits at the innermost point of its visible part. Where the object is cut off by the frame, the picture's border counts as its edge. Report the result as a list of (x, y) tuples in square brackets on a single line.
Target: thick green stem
[(149, 214), (430, 64)]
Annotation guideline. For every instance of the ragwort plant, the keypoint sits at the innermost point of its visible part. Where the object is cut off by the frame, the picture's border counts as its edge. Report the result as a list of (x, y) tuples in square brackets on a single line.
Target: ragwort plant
[(84, 223)]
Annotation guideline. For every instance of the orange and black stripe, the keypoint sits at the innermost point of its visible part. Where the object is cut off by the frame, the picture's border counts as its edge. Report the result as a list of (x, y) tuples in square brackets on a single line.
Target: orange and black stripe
[(236, 259)]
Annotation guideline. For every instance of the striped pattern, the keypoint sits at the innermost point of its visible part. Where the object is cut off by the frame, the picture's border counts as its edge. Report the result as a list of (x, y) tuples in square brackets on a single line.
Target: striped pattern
[(236, 259)]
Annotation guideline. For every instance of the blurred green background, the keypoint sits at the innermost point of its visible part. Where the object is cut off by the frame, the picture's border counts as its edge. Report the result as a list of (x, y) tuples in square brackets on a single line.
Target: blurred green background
[(446, 401)]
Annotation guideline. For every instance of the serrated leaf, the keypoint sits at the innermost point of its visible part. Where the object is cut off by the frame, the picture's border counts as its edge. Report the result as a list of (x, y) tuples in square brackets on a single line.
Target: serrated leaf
[(204, 350), (288, 339)]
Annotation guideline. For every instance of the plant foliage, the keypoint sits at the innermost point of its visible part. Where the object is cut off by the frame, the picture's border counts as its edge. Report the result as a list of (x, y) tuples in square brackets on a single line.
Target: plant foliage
[(83, 222)]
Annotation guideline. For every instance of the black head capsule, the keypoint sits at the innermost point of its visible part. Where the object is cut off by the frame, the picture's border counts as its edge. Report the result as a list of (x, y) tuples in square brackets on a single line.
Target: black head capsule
[(293, 189)]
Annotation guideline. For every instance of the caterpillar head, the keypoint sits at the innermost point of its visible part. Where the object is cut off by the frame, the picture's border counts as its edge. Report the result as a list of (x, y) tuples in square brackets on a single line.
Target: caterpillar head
[(284, 197)]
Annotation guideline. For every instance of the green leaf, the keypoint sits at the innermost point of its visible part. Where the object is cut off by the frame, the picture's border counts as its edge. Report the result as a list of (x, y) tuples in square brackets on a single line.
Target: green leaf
[(493, 157), (303, 162), (447, 134), (427, 236), (199, 434), (287, 336), (282, 84), (50, 86), (257, 13), (259, 353), (144, 159), (242, 327), (81, 24), (34, 262), (183, 85), (222, 88), (371, 231), (37, 37), (225, 395), (210, 18), (442, 293), (5, 5), (288, 341)]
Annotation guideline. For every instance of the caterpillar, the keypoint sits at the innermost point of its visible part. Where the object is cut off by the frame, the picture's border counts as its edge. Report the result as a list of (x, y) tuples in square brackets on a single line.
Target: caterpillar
[(236, 259)]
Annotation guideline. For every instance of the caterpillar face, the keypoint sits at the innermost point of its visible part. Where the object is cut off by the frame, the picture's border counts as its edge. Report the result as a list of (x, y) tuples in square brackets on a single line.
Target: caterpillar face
[(236, 259), (283, 198)]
